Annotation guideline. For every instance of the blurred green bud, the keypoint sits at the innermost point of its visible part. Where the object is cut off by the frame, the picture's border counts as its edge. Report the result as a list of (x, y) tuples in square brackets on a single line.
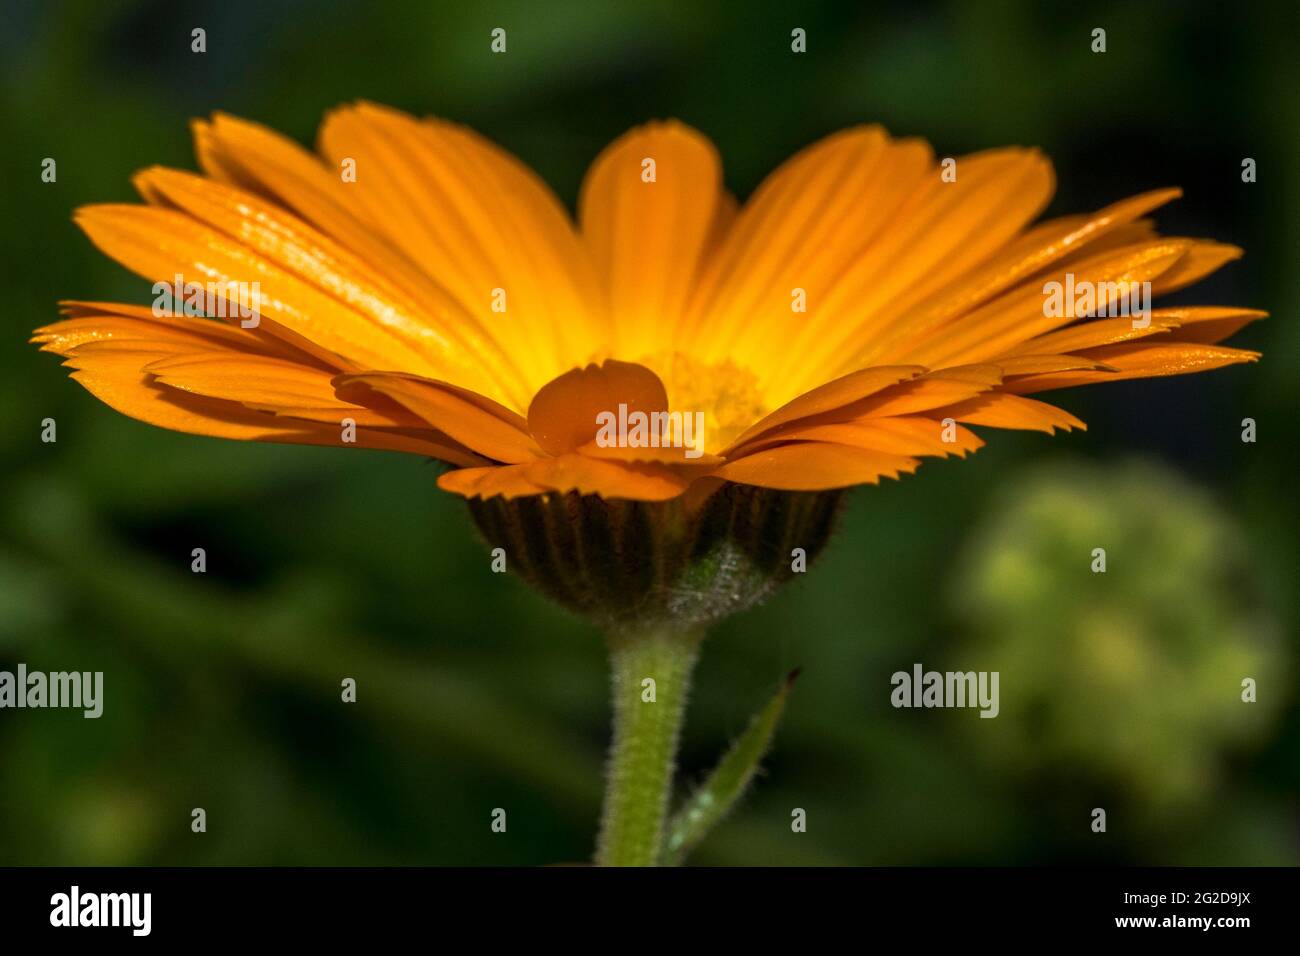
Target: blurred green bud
[(1119, 605)]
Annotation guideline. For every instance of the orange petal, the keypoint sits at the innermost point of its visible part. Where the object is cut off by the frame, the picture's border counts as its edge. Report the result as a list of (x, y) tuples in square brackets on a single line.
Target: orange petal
[(184, 332), (843, 391), (423, 325), (1206, 324), (904, 435), (648, 239), (507, 480), (211, 358), (817, 215), (230, 333), (934, 389), (664, 455), (162, 243), (450, 411), (815, 466), (1000, 410), (475, 219), (563, 414), (1129, 234), (112, 372), (1201, 259), (609, 479), (1138, 360), (941, 232), (1085, 335), (272, 385), (1048, 242), (999, 326), (1039, 364), (258, 159)]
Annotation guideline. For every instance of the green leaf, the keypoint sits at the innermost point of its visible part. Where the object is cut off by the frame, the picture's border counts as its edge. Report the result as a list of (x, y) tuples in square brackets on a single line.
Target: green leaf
[(728, 782)]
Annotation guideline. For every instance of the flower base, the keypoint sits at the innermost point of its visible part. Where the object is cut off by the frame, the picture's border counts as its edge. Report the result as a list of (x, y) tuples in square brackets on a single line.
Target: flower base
[(646, 566)]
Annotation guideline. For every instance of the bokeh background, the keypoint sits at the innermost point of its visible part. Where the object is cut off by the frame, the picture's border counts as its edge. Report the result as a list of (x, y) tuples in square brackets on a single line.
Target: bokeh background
[(222, 690)]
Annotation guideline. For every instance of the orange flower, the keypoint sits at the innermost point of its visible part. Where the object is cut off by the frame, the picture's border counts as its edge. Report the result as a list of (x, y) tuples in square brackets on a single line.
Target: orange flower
[(419, 286)]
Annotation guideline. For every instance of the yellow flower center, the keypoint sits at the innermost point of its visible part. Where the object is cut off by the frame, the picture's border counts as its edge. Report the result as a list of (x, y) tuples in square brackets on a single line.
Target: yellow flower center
[(727, 394)]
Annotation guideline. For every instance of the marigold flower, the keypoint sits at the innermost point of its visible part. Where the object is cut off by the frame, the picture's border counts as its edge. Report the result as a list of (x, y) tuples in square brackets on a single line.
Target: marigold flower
[(443, 302)]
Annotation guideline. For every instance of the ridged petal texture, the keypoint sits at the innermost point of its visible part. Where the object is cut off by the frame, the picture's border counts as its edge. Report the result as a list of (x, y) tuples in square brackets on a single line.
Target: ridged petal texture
[(416, 288)]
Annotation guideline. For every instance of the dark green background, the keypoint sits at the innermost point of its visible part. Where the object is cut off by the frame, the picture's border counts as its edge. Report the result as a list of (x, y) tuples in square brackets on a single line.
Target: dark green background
[(223, 689)]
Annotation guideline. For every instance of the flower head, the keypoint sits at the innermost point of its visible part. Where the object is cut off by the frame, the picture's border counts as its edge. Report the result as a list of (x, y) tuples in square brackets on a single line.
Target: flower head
[(416, 288)]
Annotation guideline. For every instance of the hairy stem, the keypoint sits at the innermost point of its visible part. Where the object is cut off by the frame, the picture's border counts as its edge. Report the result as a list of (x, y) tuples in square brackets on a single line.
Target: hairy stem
[(647, 725)]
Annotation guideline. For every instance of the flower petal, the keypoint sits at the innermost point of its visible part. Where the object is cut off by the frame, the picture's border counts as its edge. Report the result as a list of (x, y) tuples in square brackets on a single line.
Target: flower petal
[(1010, 319), (114, 373), (162, 243), (1201, 259), (272, 385), (609, 479), (463, 417), (943, 230), (563, 414), (99, 322), (843, 391), (1016, 365), (903, 435), (663, 455), (1055, 240), (648, 239), (257, 159), (508, 480), (815, 466), (933, 390), (1000, 410), (476, 220), (807, 222), (1138, 360), (429, 324), (1206, 324), (1085, 335)]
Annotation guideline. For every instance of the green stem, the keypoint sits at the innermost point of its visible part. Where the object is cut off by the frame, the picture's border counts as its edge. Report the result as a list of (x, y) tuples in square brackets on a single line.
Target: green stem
[(644, 752)]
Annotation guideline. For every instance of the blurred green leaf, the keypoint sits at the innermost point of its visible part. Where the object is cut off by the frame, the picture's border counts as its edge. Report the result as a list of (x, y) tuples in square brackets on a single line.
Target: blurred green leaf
[(722, 790)]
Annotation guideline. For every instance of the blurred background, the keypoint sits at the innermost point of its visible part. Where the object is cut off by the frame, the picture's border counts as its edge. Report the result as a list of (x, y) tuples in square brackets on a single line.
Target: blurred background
[(1119, 691)]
